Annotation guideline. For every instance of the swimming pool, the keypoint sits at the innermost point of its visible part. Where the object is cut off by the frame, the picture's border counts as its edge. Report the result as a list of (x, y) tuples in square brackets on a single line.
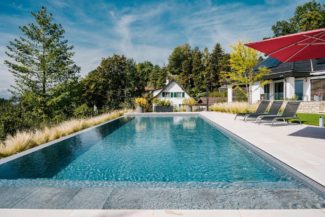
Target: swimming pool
[(157, 152)]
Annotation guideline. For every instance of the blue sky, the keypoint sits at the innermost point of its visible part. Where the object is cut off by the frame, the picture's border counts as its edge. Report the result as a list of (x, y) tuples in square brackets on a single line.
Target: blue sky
[(143, 30)]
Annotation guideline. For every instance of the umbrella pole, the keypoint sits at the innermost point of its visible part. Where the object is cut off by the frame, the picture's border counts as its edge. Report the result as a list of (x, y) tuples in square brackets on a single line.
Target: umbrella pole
[(311, 65)]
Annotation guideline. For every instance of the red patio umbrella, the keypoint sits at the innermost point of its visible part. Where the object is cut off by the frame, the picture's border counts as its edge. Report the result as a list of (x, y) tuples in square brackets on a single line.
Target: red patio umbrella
[(294, 47)]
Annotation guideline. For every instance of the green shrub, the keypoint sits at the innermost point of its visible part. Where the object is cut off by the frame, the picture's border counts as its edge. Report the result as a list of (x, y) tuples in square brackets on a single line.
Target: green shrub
[(218, 94), (83, 111), (140, 101), (189, 101), (161, 102)]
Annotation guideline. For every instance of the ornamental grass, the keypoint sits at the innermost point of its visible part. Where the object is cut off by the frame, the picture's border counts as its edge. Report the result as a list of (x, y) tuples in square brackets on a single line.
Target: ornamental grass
[(234, 108), (24, 140)]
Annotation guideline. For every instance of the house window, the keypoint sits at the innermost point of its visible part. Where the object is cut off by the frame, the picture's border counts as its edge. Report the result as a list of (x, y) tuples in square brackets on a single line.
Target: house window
[(299, 87), (267, 91), (180, 94), (173, 94), (278, 91), (317, 89), (166, 94)]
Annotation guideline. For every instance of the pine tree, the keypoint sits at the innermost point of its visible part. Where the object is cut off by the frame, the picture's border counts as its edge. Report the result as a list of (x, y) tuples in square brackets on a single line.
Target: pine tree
[(217, 64), (41, 61), (197, 72), (162, 73), (41, 58)]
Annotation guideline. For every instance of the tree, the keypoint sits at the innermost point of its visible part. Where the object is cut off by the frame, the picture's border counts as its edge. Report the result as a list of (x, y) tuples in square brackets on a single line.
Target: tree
[(113, 84), (94, 89), (283, 27), (144, 71), (162, 74), (308, 16), (40, 60), (134, 83), (180, 64), (197, 72), (242, 62), (218, 62)]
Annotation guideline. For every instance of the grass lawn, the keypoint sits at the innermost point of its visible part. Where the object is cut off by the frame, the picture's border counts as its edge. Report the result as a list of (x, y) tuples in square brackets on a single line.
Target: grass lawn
[(310, 119)]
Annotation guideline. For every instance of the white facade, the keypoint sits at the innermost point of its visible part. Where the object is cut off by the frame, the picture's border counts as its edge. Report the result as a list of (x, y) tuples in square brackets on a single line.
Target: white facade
[(172, 92), (256, 92), (293, 88), (287, 88)]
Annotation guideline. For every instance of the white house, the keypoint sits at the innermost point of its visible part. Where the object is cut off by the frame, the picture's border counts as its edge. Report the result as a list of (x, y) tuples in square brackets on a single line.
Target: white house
[(172, 92), (302, 80)]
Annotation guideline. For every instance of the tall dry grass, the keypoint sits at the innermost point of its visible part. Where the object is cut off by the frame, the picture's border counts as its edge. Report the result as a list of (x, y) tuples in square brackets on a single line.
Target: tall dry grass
[(234, 107), (27, 139)]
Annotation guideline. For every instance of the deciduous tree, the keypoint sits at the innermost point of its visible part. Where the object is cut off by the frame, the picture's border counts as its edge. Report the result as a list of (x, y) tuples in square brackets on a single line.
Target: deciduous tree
[(308, 16), (242, 62)]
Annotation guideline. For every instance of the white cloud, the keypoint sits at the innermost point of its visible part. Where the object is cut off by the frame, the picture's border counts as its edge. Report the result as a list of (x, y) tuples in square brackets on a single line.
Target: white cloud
[(227, 24), (59, 3), (150, 31)]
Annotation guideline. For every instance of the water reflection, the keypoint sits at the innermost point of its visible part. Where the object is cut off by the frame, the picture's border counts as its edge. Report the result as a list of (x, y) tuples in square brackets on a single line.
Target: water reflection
[(140, 125), (188, 123), (47, 162)]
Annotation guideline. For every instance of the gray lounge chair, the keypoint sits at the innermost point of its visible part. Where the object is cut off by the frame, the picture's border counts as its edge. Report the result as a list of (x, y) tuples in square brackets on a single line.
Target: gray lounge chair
[(274, 110), (260, 109), (290, 112)]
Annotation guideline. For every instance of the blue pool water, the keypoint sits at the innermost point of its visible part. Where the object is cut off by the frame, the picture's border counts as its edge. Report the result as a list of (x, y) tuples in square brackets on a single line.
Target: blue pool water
[(146, 149)]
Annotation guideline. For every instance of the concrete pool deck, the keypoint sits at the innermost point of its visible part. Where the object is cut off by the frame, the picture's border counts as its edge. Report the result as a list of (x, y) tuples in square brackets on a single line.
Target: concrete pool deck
[(299, 146)]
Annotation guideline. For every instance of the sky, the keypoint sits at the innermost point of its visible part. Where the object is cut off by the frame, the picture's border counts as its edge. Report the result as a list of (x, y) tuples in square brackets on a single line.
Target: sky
[(143, 30)]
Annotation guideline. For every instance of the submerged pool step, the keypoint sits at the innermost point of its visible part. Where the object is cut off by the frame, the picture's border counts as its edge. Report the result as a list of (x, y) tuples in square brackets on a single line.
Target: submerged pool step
[(158, 198)]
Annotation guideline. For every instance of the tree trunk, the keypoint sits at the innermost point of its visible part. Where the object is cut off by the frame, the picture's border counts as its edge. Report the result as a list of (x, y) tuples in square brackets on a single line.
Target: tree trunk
[(44, 70)]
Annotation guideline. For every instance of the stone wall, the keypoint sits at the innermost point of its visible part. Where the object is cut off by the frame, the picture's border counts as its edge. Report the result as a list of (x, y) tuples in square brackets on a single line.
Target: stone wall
[(312, 107)]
